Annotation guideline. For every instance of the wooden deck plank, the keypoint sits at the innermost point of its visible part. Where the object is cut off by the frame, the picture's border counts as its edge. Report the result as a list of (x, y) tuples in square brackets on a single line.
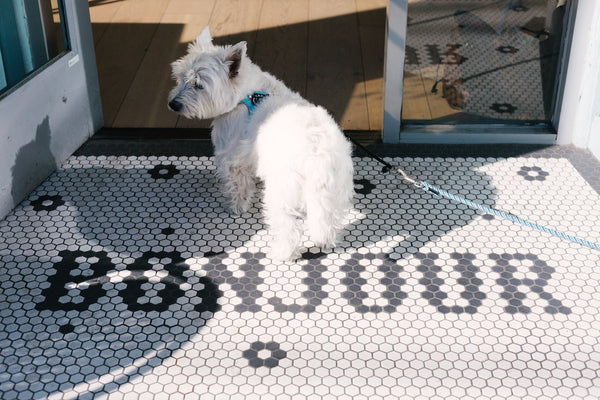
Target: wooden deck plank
[(101, 14), (372, 57), (371, 25), (189, 7), (325, 50), (231, 21), (371, 18), (414, 99), (335, 72), (118, 60), (141, 11), (121, 49), (281, 44), (235, 18), (145, 104)]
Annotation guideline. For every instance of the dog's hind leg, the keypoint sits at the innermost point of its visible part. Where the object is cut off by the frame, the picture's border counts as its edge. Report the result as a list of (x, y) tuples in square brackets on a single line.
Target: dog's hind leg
[(328, 189), (284, 221), (322, 224)]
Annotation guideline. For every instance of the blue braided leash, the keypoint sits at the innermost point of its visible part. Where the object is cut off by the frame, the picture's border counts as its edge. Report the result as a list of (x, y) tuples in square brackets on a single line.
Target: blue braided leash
[(439, 192)]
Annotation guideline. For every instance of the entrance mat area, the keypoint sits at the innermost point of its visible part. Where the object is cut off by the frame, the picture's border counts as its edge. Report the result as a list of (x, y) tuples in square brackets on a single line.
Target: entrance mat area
[(123, 277)]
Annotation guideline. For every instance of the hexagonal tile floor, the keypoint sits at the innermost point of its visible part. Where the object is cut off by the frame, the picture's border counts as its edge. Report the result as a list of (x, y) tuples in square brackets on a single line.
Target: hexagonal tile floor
[(123, 277)]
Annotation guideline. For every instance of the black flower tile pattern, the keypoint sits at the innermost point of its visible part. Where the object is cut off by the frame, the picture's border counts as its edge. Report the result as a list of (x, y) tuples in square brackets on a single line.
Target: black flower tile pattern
[(47, 203), (139, 286), (163, 171), (533, 173), (363, 186), (272, 354)]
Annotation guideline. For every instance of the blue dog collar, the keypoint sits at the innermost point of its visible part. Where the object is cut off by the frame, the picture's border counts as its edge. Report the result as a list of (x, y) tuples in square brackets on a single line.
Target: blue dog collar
[(253, 100)]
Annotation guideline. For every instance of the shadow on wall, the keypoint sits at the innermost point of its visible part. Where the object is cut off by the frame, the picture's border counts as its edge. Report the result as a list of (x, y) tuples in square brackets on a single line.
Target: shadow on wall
[(33, 163)]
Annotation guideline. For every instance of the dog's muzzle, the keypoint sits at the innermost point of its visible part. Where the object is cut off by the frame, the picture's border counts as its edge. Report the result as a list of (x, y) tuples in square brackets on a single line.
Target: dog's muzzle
[(175, 105)]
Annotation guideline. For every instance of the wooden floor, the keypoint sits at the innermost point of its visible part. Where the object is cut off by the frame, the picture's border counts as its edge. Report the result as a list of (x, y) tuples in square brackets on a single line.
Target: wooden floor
[(329, 51)]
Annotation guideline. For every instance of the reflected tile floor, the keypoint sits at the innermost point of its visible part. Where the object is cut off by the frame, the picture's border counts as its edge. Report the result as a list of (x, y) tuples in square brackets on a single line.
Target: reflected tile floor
[(491, 65), (123, 277)]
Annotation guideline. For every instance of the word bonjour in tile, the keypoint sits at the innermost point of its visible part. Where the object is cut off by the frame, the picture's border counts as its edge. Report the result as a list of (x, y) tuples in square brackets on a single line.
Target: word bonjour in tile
[(156, 280)]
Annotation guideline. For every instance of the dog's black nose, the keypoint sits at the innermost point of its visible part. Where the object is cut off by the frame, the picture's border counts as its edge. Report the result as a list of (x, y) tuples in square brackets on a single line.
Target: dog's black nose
[(175, 105)]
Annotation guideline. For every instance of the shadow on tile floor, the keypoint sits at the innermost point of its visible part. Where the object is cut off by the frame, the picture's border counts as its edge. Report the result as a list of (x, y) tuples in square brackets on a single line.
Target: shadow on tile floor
[(121, 270), (123, 260)]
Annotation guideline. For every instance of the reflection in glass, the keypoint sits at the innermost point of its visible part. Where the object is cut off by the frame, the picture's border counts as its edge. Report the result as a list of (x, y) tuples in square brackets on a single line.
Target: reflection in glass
[(482, 60)]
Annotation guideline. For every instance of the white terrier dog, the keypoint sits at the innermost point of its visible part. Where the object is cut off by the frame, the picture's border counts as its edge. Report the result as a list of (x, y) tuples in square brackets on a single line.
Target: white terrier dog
[(262, 128)]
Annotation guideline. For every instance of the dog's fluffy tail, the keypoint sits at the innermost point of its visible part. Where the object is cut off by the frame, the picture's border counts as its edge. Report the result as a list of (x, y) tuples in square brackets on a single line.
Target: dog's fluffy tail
[(329, 186), (306, 164)]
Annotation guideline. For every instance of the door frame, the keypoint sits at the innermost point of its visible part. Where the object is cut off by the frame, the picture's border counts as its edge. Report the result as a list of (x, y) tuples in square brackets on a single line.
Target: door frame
[(394, 131), (52, 112)]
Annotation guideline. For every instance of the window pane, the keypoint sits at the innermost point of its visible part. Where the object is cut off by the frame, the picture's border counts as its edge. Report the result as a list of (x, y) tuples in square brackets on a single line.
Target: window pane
[(31, 34), (482, 60)]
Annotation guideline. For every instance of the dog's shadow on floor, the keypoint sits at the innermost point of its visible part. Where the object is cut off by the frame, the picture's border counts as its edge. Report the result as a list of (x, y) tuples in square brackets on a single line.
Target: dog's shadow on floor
[(115, 224), (113, 287), (390, 209)]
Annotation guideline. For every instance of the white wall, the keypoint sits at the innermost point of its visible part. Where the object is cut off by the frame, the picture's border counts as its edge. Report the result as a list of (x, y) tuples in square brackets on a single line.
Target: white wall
[(580, 114), (48, 117)]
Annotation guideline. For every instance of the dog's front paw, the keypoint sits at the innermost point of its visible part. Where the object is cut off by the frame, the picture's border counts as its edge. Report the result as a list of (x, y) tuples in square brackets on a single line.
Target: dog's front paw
[(238, 209), (283, 253)]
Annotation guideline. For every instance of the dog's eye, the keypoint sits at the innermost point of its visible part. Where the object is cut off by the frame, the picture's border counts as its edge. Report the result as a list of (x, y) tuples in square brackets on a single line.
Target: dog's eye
[(198, 86)]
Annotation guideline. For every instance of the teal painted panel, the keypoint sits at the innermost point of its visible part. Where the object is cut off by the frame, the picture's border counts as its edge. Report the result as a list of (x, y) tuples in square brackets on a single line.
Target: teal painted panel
[(3, 83), (28, 39), (12, 20)]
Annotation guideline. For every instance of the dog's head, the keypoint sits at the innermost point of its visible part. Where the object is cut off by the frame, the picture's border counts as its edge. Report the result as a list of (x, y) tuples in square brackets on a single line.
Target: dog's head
[(207, 78)]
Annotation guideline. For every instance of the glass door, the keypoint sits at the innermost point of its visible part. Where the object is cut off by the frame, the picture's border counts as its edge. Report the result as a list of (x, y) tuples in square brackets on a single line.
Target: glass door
[(49, 96), (489, 66)]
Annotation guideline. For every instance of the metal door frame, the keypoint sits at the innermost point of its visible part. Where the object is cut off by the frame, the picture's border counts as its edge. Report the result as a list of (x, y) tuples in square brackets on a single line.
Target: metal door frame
[(394, 131)]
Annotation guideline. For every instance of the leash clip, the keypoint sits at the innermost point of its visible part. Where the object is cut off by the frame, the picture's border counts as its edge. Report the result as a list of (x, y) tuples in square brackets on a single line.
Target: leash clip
[(418, 184), (406, 177)]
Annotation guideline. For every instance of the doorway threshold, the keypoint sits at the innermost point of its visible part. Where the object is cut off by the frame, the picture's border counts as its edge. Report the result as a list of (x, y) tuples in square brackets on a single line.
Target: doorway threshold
[(477, 134), (363, 136)]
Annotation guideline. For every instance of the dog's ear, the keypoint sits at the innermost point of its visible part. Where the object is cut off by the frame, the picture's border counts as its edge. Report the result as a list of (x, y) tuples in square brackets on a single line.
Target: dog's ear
[(233, 58), (204, 37), (203, 40)]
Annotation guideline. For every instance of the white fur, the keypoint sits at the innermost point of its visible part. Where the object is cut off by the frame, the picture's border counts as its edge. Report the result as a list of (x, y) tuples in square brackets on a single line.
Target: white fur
[(293, 146)]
